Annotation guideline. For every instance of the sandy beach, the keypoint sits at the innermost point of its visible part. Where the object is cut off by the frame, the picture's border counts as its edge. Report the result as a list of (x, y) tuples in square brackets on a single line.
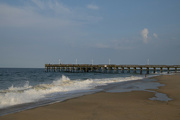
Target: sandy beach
[(112, 106)]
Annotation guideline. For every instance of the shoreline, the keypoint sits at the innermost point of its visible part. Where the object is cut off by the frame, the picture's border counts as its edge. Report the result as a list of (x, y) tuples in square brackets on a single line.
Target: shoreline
[(133, 105)]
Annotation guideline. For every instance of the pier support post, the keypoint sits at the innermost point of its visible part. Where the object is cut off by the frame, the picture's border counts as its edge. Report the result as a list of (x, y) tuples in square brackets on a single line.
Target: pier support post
[(109, 69), (154, 69), (86, 69), (140, 70), (75, 68), (80, 69), (98, 69), (105, 69), (168, 70), (122, 69), (94, 69), (116, 69), (102, 69), (161, 69), (134, 70), (128, 69), (147, 70), (175, 69)]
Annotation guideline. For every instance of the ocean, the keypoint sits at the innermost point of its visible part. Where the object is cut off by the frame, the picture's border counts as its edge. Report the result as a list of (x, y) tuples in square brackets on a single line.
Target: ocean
[(26, 88)]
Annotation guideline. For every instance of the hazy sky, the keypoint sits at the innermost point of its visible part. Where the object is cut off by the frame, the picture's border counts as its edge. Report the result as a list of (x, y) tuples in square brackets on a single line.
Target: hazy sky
[(36, 32)]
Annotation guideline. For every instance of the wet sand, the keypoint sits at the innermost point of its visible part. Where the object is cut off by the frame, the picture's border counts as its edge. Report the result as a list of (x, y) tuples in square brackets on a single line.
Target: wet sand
[(112, 106)]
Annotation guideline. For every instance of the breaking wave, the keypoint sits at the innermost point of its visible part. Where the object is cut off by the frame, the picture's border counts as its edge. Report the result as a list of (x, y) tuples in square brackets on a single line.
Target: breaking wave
[(27, 93)]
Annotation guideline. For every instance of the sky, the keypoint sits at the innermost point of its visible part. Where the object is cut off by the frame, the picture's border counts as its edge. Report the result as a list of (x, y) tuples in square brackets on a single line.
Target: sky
[(38, 32)]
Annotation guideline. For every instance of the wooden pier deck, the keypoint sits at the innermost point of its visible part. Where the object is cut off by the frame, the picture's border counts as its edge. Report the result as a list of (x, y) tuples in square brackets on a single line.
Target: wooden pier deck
[(109, 68)]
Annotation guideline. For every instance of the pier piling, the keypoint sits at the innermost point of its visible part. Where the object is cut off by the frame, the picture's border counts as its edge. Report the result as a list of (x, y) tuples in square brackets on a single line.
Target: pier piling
[(109, 68)]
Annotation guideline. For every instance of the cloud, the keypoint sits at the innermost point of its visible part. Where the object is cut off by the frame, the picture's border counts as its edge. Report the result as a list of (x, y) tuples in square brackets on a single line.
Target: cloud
[(31, 16), (39, 3), (38, 13), (144, 34), (45, 21), (53, 5), (121, 44), (155, 35), (100, 45), (92, 7)]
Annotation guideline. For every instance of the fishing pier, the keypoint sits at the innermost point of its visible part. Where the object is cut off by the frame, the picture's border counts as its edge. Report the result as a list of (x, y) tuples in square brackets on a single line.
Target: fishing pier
[(111, 68)]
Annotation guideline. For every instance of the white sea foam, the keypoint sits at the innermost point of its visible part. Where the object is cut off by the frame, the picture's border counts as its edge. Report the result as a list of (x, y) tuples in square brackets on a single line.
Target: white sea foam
[(26, 94), (26, 86)]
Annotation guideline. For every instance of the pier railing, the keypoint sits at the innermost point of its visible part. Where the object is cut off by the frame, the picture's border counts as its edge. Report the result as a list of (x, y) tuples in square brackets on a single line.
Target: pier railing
[(109, 68)]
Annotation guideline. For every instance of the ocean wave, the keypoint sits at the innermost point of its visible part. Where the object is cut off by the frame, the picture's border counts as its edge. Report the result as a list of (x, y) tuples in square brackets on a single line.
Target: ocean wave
[(27, 93)]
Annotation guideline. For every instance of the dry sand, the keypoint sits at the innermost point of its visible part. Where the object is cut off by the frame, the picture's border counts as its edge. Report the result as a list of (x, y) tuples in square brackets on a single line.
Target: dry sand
[(112, 106)]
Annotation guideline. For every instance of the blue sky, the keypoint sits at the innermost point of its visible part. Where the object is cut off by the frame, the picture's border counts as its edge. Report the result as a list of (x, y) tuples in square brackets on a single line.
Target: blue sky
[(36, 32)]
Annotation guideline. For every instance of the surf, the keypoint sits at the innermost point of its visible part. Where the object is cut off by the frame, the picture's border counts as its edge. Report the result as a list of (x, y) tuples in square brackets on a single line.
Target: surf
[(64, 85)]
